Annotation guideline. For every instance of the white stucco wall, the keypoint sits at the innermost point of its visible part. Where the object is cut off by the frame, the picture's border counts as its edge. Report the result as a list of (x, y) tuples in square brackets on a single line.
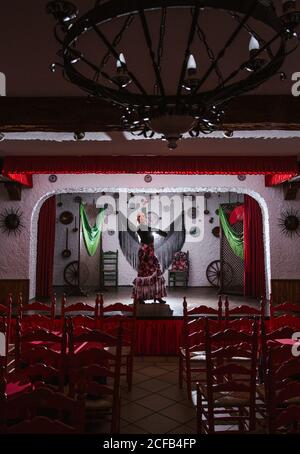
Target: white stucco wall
[(18, 254)]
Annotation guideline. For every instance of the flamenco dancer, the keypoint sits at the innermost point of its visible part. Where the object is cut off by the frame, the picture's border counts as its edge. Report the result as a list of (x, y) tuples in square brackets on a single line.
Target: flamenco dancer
[(150, 283)]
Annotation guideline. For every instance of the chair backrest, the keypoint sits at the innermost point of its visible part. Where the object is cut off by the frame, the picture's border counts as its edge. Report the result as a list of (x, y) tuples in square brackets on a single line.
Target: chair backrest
[(42, 402), (225, 372), (87, 336), (194, 323), (244, 310), (41, 354), (285, 314), (202, 310), (27, 310), (239, 324), (82, 309), (180, 261), (280, 353), (114, 314), (42, 374), (38, 336)]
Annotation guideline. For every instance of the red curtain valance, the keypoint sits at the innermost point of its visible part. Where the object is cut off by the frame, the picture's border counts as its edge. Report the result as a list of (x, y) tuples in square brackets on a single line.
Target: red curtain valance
[(23, 178), (181, 165)]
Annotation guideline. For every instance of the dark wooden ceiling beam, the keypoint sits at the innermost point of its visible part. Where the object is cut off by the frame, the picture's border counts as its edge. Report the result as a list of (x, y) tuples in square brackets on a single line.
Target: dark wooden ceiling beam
[(85, 114)]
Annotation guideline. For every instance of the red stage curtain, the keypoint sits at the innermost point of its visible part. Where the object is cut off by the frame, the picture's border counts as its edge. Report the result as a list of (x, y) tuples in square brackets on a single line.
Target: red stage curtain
[(189, 165), (158, 337), (45, 248), (254, 273), (274, 180)]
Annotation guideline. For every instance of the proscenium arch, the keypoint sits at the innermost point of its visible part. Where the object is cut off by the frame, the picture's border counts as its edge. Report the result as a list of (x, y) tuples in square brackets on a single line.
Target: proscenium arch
[(255, 195)]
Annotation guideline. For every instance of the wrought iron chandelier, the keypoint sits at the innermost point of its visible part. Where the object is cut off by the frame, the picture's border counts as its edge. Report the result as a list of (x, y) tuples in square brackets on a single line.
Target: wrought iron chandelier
[(171, 66)]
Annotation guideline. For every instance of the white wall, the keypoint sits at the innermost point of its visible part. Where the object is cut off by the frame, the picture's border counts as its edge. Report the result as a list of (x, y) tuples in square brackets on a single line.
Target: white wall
[(18, 255)]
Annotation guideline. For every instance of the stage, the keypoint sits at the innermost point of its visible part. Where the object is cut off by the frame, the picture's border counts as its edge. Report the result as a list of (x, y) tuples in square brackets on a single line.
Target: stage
[(159, 327), (195, 296)]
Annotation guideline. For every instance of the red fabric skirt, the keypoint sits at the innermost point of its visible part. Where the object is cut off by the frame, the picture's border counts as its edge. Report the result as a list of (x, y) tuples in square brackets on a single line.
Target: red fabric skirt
[(150, 283)]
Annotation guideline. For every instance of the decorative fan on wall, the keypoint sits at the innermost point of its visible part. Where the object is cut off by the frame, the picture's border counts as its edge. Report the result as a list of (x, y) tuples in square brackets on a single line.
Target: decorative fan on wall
[(11, 221), (289, 222)]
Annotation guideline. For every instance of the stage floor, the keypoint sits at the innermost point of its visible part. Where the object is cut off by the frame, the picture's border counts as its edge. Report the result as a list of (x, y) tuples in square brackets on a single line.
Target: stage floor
[(195, 296)]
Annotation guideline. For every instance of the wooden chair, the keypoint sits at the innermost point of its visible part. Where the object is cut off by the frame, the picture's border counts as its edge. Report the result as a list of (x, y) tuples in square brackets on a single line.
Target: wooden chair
[(110, 318), (36, 314), (192, 354), (42, 410), (82, 314), (228, 396), (94, 373), (109, 269), (179, 272), (5, 330)]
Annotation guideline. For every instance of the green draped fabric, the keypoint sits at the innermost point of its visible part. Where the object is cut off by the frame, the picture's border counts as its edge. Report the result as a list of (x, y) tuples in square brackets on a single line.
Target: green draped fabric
[(91, 235), (235, 240)]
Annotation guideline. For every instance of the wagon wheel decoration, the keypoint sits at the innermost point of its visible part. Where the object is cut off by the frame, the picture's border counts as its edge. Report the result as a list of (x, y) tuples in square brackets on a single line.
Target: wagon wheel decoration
[(213, 273), (71, 274)]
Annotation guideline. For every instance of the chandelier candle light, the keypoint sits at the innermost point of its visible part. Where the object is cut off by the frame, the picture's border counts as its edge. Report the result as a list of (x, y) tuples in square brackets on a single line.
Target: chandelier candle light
[(181, 79)]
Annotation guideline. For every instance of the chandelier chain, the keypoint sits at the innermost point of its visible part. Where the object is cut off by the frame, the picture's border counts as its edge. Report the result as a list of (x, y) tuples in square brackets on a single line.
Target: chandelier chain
[(161, 37), (115, 43), (210, 53), (251, 32), (160, 48), (227, 45)]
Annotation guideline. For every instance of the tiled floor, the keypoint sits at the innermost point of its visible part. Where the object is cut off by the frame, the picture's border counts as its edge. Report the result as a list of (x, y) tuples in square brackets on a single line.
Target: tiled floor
[(156, 405)]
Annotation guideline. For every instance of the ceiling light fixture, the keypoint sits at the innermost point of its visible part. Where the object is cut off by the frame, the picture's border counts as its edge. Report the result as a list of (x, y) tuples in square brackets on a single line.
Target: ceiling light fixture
[(209, 69)]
